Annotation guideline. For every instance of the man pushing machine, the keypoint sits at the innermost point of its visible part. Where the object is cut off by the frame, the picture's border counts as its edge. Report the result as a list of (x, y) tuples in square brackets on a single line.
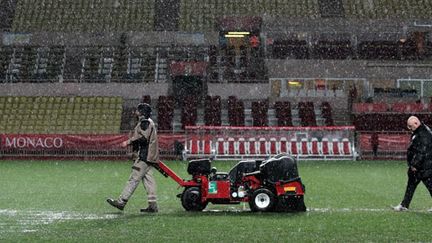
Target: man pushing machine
[(144, 141)]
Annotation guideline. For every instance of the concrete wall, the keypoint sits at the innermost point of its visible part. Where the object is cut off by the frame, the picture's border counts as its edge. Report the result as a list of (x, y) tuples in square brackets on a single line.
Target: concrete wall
[(241, 90), (127, 91)]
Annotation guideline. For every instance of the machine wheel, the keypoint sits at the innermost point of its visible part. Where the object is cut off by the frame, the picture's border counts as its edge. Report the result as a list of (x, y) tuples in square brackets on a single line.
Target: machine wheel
[(262, 200), (191, 199)]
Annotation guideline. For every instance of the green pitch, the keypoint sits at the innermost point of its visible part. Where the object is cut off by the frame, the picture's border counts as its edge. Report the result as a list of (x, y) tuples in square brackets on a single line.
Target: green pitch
[(65, 201)]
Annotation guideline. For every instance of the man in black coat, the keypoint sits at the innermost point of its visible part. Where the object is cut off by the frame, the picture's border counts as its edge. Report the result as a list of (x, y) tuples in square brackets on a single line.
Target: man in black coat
[(419, 158)]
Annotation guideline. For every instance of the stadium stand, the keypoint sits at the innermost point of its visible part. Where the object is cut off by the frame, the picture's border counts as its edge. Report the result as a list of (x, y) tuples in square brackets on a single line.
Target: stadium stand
[(5, 56), (326, 112), (321, 46), (63, 115), (325, 49), (259, 113), (83, 16), (307, 114), (165, 108), (189, 111), (291, 48), (203, 15), (212, 111), (7, 12), (80, 63), (235, 111), (387, 9), (283, 113), (390, 116), (331, 8)]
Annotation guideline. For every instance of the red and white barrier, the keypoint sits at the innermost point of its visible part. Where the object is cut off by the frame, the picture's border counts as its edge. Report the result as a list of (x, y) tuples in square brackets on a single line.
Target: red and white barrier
[(301, 142)]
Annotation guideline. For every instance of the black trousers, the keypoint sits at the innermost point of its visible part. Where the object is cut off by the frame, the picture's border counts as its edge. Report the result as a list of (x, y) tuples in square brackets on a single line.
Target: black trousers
[(412, 184)]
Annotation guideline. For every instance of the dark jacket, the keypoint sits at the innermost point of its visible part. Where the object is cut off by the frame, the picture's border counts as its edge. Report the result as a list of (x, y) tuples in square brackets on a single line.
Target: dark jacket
[(419, 154), (144, 139)]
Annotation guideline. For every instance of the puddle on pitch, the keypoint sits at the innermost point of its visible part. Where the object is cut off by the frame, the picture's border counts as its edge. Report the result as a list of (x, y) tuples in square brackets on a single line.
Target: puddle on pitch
[(26, 221)]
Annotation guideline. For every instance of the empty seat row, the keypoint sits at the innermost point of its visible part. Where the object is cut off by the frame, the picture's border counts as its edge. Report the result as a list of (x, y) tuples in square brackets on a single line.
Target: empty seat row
[(401, 107), (83, 16), (52, 114), (203, 15), (387, 9), (268, 146), (236, 112), (390, 121), (84, 63)]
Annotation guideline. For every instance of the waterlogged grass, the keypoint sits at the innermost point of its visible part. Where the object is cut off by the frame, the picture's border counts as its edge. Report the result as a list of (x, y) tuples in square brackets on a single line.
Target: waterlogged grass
[(65, 200)]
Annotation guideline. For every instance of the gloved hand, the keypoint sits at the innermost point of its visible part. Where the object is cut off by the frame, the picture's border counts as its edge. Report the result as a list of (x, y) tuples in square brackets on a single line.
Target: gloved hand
[(132, 156)]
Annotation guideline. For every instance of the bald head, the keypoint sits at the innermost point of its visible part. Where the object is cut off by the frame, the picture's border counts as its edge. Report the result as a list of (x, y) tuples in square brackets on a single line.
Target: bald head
[(413, 123)]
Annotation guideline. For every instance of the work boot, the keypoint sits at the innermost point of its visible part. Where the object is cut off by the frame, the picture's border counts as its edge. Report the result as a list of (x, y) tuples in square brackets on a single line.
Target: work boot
[(152, 208), (400, 208), (120, 204)]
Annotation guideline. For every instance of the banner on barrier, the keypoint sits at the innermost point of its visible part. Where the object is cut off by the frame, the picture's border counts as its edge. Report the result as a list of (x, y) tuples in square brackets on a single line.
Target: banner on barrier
[(60, 141), (80, 145)]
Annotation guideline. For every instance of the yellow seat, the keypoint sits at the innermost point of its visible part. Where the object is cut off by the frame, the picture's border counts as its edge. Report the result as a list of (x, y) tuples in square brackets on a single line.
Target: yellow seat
[(57, 100)]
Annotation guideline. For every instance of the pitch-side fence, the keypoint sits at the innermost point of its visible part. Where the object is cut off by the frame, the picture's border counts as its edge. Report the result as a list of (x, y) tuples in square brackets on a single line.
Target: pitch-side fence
[(217, 142)]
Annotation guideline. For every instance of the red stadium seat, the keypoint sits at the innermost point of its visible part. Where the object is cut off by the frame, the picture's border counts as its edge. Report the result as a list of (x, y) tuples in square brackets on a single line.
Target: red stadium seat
[(416, 107), (207, 145), (399, 107), (220, 146), (314, 146), (283, 145), (262, 146), (304, 147), (283, 113), (251, 148), (325, 146), (194, 145), (273, 147), (241, 146), (346, 146), (379, 107), (231, 146), (293, 146), (335, 147), (407, 107), (362, 107)]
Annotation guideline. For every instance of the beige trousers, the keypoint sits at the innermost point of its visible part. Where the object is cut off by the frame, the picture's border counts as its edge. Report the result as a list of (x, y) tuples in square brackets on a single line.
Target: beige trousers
[(141, 171)]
